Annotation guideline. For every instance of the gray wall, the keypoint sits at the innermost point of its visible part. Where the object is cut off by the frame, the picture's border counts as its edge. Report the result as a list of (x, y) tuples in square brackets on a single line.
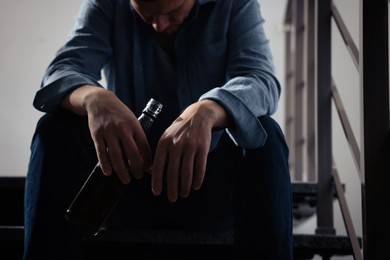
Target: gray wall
[(32, 31)]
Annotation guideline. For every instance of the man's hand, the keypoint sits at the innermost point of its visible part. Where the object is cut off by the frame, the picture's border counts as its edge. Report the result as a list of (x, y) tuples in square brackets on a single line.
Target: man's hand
[(182, 150), (119, 139)]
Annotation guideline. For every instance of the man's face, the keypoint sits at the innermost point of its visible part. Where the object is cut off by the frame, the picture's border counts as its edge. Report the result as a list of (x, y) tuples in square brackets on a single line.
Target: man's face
[(166, 16)]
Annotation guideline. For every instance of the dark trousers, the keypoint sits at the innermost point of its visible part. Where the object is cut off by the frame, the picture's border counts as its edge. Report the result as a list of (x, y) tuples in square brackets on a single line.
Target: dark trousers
[(248, 190)]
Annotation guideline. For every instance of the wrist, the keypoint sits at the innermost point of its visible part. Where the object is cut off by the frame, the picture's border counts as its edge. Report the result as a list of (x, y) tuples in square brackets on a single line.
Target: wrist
[(79, 99), (91, 95), (215, 113)]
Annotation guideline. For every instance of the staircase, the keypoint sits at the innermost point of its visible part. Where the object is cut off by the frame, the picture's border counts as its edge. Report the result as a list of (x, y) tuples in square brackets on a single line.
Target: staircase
[(314, 102), (149, 244)]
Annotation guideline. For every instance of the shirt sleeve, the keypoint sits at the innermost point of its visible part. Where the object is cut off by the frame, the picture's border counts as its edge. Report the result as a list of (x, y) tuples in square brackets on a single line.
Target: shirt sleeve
[(80, 61), (251, 90)]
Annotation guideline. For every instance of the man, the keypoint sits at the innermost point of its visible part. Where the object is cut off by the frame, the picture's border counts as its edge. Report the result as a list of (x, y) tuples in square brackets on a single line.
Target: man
[(223, 157)]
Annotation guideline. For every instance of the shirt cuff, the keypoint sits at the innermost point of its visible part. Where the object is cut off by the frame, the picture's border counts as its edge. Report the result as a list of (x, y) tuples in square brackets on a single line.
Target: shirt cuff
[(49, 97), (247, 131)]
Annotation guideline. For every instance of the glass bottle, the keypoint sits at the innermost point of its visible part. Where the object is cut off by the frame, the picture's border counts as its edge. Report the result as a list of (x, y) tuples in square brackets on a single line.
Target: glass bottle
[(100, 193)]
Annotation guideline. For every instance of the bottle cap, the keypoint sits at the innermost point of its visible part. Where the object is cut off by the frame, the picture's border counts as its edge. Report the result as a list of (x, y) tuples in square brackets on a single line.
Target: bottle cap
[(153, 108)]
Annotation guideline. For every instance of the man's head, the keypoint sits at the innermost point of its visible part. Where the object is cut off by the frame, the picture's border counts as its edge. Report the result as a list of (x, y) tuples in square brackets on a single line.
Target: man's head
[(166, 16)]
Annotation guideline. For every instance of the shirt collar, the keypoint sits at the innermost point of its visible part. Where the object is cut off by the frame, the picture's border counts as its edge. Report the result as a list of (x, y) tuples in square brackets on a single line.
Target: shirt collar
[(202, 2), (198, 5), (195, 10)]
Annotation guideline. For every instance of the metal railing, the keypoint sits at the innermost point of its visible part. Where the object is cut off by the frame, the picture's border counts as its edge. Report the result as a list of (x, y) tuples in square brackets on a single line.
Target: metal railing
[(310, 92)]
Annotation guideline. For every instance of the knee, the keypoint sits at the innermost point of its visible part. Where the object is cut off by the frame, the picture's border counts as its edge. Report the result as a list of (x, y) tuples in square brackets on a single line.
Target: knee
[(270, 125), (275, 136), (59, 121), (60, 128)]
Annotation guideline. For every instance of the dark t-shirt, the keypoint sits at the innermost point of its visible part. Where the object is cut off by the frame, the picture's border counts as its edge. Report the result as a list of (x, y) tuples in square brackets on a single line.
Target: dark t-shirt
[(164, 87)]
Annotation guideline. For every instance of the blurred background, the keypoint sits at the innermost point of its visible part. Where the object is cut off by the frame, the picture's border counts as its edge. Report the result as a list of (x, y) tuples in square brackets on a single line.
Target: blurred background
[(32, 31)]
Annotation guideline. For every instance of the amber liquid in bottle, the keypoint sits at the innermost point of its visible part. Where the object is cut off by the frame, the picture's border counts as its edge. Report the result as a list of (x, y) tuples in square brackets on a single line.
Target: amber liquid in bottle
[(100, 193)]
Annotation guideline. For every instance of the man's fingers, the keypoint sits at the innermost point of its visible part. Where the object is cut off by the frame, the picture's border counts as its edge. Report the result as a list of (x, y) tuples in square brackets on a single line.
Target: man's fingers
[(158, 170), (173, 176), (199, 169), (186, 174), (144, 155), (119, 165), (102, 154), (134, 160)]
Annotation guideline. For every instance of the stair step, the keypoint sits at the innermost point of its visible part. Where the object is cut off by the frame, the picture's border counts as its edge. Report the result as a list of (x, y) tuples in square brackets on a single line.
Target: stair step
[(178, 243), (304, 200), (162, 241)]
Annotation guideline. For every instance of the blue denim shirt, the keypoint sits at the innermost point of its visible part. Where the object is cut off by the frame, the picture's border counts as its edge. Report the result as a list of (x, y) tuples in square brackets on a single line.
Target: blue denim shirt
[(221, 50)]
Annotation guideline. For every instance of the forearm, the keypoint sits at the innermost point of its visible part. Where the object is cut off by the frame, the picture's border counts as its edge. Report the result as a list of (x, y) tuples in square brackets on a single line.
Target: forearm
[(80, 60), (213, 114), (245, 129), (77, 100)]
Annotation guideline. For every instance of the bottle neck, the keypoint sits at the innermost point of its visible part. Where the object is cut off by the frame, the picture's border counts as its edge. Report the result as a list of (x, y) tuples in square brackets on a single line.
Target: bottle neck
[(146, 121), (146, 113), (149, 114)]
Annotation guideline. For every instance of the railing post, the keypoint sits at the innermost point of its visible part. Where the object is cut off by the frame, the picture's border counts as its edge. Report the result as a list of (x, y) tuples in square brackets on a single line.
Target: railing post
[(299, 85), (310, 86), (294, 37), (374, 86), (289, 86), (323, 118)]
